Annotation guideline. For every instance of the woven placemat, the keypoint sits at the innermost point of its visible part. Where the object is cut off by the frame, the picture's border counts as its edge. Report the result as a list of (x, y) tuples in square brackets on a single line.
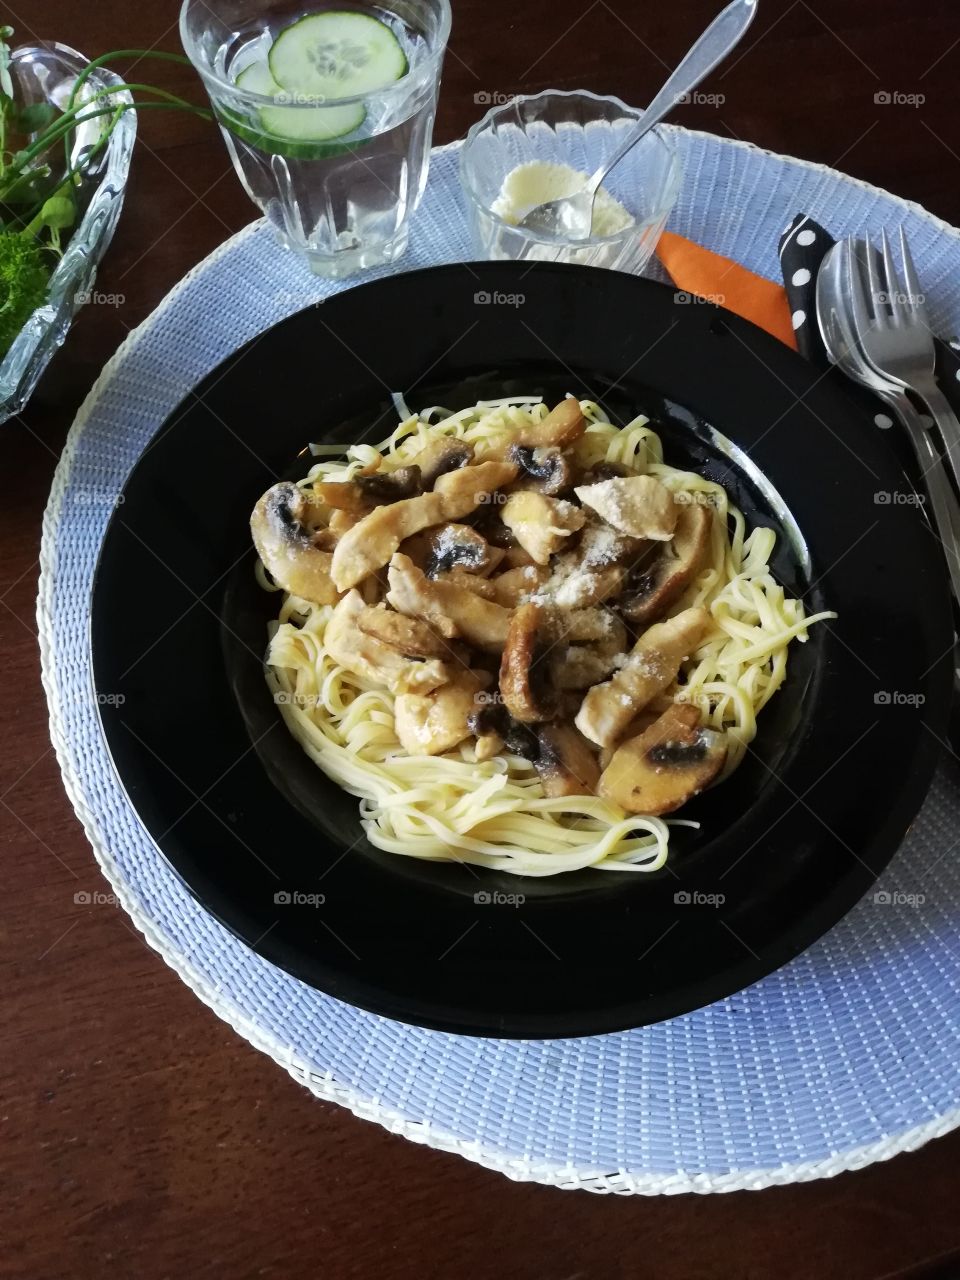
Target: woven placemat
[(848, 1055)]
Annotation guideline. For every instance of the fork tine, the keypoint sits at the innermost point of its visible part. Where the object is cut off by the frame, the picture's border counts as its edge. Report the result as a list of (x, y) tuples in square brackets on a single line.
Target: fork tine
[(915, 301), (892, 288), (874, 287), (853, 277)]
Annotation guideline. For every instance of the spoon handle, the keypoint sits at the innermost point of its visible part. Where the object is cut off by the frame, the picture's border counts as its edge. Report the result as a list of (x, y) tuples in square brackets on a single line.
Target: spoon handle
[(943, 500), (722, 36)]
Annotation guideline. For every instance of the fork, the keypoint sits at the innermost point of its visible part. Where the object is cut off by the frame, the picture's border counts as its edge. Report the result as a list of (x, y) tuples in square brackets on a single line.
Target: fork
[(890, 318)]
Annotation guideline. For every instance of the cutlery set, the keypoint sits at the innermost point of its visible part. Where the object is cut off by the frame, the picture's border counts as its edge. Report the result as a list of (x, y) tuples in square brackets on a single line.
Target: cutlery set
[(875, 327)]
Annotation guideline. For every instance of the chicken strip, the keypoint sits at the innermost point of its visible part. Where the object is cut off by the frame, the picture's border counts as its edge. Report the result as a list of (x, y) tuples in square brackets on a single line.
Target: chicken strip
[(452, 610), (636, 505), (650, 666), (370, 658), (370, 543), (427, 724)]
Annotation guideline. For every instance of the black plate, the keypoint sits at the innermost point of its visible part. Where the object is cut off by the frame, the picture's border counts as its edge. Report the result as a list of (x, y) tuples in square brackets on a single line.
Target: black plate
[(841, 764)]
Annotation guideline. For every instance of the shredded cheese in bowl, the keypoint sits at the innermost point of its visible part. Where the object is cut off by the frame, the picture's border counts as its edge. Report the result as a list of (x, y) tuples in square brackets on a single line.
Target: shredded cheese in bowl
[(538, 181)]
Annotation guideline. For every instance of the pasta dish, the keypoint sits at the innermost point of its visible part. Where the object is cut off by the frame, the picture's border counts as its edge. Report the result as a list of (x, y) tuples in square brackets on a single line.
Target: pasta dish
[(518, 635)]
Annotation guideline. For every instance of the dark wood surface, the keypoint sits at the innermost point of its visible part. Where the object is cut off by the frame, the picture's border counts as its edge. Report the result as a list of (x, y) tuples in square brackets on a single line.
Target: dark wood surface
[(140, 1136)]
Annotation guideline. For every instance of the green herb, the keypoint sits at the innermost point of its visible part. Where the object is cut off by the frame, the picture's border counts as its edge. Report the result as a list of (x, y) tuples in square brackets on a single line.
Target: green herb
[(24, 273), (38, 196)]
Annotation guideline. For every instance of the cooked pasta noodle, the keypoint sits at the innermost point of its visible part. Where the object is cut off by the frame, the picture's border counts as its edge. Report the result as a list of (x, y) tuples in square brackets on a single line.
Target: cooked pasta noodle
[(494, 813)]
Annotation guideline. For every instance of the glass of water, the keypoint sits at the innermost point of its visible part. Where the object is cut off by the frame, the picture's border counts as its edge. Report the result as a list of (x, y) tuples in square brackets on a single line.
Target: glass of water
[(327, 112)]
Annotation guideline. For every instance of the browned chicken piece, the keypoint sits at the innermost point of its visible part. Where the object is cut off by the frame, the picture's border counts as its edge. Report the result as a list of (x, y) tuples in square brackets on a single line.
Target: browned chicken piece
[(650, 666), (675, 567), (458, 546), (547, 470), (427, 724), (470, 487), (580, 666), (341, 522), (525, 683), (599, 626), (410, 636), (516, 557), (370, 658), (451, 609), (540, 524), (359, 495), (636, 505), (482, 587), (510, 587), (373, 540), (283, 531), (567, 763), (666, 765), (438, 457), (371, 589), (562, 425), (489, 744)]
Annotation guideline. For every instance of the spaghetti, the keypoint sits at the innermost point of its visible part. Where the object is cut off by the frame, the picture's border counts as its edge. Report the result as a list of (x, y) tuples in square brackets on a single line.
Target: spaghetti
[(494, 812)]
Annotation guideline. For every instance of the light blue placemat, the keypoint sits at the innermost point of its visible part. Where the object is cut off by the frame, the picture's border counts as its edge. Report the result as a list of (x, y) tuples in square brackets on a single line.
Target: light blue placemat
[(848, 1055)]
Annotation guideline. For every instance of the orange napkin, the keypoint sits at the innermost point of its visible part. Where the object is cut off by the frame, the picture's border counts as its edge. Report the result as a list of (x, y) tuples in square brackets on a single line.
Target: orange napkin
[(697, 270)]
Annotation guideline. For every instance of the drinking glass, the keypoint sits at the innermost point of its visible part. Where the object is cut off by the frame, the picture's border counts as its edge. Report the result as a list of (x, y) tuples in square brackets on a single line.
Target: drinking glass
[(343, 203)]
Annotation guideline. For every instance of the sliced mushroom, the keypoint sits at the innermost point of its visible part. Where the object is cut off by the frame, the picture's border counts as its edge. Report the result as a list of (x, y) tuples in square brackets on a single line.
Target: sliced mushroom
[(440, 456), (516, 557), (365, 491), (566, 762), (427, 724), (489, 717), (562, 425), (607, 471), (666, 765), (458, 546), (638, 505), (665, 580), (528, 694), (409, 636), (650, 666), (511, 587), (453, 610), (487, 522), (570, 586), (598, 638), (373, 540), (370, 658), (286, 543), (601, 545), (540, 524), (546, 469)]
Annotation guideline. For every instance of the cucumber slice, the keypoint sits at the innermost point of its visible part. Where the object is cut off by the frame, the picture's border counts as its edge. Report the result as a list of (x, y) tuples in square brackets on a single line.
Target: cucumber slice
[(336, 55), (257, 79), (298, 124)]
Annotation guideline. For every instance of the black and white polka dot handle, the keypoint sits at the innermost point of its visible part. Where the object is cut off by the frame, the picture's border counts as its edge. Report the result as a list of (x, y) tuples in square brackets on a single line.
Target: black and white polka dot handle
[(803, 246)]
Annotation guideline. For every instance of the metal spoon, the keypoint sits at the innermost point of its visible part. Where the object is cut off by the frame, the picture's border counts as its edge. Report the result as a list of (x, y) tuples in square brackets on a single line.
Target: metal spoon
[(571, 217), (835, 318)]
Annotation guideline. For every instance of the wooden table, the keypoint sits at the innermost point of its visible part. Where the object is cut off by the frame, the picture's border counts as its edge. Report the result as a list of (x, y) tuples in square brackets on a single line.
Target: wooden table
[(141, 1136)]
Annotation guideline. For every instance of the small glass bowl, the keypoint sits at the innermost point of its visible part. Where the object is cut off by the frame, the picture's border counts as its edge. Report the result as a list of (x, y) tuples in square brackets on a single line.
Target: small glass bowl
[(46, 73), (579, 129)]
